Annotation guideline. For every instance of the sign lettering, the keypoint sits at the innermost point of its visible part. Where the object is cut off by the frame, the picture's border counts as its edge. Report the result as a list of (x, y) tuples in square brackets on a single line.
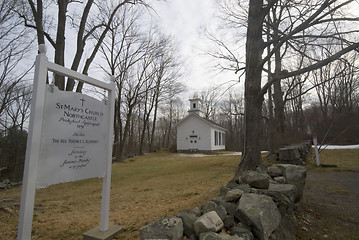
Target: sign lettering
[(73, 138)]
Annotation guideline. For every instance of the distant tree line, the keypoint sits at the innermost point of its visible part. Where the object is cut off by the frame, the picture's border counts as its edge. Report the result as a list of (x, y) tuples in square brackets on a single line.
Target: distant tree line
[(322, 103)]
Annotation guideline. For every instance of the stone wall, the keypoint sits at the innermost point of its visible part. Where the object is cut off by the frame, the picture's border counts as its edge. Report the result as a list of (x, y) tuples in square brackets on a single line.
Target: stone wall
[(257, 205), (6, 184), (293, 154)]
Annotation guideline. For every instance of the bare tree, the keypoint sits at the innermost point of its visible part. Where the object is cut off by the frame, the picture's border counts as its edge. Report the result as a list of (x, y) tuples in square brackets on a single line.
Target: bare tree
[(334, 116), (344, 97), (15, 43), (19, 111), (167, 67), (148, 103), (128, 53), (172, 111), (87, 20), (135, 91), (162, 81), (121, 50), (302, 25), (231, 117), (294, 89), (322, 79), (319, 17), (145, 67), (209, 101)]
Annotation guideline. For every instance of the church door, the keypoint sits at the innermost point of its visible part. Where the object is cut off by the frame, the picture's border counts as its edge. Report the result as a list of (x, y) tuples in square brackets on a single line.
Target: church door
[(193, 142)]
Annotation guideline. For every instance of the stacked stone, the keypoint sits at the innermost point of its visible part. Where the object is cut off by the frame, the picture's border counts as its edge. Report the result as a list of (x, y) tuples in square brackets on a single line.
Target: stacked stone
[(295, 153), (6, 184), (257, 205)]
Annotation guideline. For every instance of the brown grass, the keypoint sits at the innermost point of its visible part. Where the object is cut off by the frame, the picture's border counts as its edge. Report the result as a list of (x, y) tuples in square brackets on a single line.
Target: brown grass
[(345, 159), (143, 189)]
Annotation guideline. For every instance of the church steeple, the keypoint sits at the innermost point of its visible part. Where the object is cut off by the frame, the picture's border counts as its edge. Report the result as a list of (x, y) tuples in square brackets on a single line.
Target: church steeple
[(194, 106)]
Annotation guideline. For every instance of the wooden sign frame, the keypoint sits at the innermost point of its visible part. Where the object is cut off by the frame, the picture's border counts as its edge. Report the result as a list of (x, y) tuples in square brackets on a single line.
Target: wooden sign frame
[(42, 66)]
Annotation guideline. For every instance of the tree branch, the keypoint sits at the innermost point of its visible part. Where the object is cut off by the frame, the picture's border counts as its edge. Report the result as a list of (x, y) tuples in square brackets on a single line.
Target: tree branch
[(312, 67)]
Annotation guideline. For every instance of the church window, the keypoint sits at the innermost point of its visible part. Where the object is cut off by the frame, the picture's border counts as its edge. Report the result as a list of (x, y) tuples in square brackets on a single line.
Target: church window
[(216, 138)]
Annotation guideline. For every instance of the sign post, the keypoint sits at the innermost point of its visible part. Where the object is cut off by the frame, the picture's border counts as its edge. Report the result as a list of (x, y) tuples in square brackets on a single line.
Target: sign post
[(106, 185), (33, 147), (70, 138)]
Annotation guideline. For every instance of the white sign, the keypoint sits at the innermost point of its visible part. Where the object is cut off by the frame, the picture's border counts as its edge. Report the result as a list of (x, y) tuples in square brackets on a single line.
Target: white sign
[(74, 135), (70, 138)]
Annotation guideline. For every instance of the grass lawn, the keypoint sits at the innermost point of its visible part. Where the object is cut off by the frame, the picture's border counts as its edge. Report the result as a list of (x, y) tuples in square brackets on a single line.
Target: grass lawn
[(345, 159), (143, 189)]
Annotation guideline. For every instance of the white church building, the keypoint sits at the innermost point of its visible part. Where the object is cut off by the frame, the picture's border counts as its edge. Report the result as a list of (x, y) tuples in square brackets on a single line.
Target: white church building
[(196, 133)]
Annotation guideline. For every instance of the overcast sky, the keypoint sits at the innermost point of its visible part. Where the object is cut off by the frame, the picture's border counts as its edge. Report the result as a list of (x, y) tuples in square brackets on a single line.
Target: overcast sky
[(186, 21)]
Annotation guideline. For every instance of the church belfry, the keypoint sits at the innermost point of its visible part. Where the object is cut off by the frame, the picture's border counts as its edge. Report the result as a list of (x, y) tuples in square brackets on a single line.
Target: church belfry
[(194, 106)]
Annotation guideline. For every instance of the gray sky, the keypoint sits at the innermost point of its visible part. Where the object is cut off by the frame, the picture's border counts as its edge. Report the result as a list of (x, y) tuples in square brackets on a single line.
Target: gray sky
[(186, 21)]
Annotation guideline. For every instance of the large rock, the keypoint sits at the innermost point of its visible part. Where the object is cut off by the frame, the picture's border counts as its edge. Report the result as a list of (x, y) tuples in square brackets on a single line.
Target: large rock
[(209, 222), (289, 190), (283, 202), (213, 206), (232, 184), (295, 153), (188, 218), (289, 153), (229, 206), (216, 236), (242, 231), (279, 179), (229, 221), (170, 228), (274, 170), (233, 195), (238, 184), (208, 207), (295, 175), (287, 228), (3, 186), (259, 212), (256, 179)]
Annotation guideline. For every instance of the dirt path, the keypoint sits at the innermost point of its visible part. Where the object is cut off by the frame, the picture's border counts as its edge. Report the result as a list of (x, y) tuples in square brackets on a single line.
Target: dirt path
[(330, 208)]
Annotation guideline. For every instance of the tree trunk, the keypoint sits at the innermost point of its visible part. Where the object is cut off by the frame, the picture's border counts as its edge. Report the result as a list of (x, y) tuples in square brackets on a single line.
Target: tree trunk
[(253, 99), (270, 125), (80, 45), (38, 15), (116, 134), (60, 42), (121, 146), (118, 128), (251, 157), (169, 139), (98, 44), (144, 126), (278, 103), (152, 138)]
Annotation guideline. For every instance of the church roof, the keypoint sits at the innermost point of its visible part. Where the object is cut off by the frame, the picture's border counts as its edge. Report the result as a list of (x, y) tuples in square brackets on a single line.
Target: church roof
[(208, 121)]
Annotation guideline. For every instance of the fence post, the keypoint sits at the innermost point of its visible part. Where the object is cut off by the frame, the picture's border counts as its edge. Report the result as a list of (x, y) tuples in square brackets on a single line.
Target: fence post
[(315, 141)]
